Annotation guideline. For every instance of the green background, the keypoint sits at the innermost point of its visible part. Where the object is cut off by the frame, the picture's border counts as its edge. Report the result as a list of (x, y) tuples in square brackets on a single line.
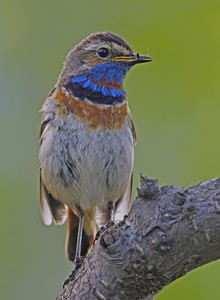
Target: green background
[(175, 103)]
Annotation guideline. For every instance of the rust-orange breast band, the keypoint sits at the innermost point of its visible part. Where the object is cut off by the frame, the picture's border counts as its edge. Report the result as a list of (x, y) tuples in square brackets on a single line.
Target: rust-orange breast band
[(107, 117)]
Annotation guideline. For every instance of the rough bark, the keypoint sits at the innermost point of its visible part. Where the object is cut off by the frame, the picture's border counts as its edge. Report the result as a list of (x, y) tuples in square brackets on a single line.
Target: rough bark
[(168, 232)]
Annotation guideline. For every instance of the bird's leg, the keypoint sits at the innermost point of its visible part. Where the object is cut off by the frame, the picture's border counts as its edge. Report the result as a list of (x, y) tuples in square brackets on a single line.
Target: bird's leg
[(78, 258), (111, 212)]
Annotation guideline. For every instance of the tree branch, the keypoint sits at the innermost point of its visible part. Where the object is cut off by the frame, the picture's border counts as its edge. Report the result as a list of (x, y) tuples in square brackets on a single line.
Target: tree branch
[(168, 232)]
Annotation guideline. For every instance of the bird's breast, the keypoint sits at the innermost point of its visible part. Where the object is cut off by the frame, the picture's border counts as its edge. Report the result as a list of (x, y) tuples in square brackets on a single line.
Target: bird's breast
[(96, 116)]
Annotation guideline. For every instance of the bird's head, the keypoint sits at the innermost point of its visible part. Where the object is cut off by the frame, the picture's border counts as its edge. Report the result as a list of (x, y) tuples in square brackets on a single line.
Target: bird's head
[(94, 70)]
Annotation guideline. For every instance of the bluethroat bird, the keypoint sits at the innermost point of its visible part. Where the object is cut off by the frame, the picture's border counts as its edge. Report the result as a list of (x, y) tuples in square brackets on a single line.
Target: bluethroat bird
[(87, 141)]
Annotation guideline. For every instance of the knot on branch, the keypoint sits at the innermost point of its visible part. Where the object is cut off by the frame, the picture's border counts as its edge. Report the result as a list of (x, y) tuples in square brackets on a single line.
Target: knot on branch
[(109, 239), (149, 188)]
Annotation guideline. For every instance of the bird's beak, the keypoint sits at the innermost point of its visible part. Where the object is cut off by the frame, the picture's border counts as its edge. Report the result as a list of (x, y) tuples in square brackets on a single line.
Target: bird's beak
[(132, 59)]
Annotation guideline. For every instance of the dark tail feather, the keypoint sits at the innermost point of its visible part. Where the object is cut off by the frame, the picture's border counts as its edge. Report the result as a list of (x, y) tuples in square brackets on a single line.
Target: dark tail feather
[(71, 238)]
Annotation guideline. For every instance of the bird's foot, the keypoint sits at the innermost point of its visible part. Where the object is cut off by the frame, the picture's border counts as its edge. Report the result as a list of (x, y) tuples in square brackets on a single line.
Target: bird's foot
[(77, 264), (103, 229)]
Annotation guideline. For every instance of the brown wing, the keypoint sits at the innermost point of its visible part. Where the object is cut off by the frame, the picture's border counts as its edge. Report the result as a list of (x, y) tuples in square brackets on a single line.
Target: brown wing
[(122, 206), (44, 206), (51, 209), (131, 125)]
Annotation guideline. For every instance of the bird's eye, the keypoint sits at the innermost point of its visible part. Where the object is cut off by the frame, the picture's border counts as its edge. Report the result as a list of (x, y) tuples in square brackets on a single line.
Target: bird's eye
[(103, 52)]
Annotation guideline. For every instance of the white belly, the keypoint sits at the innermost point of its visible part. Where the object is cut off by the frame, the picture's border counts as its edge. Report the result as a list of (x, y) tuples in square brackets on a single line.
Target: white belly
[(86, 167)]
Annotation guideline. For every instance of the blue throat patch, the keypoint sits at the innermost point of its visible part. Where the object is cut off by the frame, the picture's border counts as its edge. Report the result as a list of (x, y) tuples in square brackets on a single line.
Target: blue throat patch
[(109, 72)]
